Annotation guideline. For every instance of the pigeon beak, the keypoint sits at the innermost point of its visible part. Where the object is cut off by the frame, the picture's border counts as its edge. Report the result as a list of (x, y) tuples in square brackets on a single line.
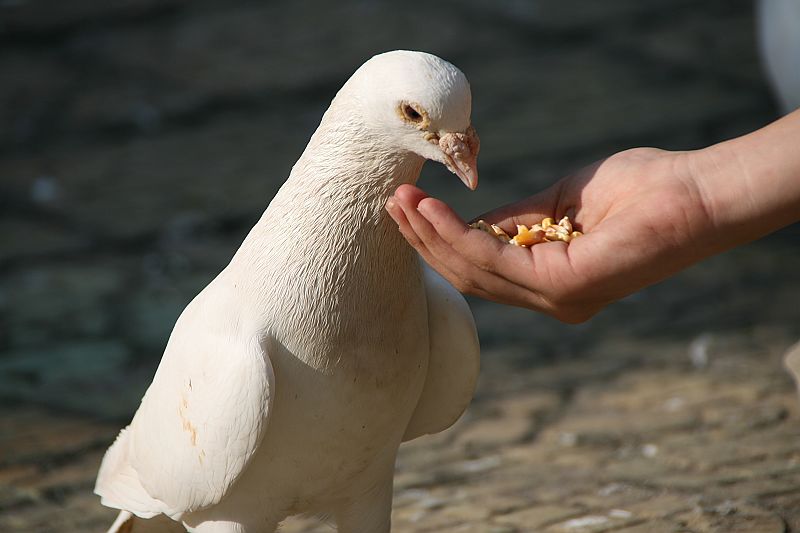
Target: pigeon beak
[(461, 155), (464, 168)]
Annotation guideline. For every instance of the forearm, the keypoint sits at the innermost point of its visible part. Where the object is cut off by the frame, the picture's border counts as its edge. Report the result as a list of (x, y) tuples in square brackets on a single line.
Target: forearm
[(751, 184)]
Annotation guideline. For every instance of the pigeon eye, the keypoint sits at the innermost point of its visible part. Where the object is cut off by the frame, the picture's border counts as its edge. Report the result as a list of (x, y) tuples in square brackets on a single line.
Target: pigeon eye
[(411, 114)]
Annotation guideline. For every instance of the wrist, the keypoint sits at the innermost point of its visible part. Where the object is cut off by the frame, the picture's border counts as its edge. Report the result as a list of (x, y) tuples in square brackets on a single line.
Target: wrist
[(750, 186)]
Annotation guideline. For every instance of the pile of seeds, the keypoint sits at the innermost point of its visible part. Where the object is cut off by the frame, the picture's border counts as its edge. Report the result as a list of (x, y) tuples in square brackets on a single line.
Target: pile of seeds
[(546, 231)]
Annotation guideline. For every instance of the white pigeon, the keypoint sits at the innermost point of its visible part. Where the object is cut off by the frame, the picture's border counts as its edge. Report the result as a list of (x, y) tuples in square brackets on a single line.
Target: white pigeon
[(779, 43), (290, 381)]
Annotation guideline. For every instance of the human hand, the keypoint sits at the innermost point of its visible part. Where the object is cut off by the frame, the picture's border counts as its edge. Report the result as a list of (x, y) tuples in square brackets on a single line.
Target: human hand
[(642, 212)]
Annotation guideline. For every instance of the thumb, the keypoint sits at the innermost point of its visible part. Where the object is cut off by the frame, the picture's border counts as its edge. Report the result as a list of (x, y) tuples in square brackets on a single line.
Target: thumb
[(528, 211)]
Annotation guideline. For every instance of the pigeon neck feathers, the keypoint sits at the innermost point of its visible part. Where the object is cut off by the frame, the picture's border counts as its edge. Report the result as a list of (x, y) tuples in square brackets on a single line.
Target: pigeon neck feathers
[(349, 167), (325, 248), (327, 227)]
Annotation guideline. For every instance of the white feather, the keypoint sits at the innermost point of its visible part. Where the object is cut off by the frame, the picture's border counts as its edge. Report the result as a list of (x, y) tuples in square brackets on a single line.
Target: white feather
[(289, 382)]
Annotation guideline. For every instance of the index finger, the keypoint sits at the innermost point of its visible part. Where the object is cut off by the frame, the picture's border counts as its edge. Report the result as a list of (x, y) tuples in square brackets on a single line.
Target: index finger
[(537, 268)]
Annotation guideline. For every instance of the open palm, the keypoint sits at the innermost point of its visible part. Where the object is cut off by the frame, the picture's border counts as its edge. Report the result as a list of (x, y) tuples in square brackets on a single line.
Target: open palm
[(643, 217)]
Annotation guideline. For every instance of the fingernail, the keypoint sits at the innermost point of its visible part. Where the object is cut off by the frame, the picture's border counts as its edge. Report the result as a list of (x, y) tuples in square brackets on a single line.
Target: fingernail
[(390, 204)]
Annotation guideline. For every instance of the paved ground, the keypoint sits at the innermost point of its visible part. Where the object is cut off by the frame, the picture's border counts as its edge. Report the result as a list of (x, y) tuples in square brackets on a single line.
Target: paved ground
[(141, 139)]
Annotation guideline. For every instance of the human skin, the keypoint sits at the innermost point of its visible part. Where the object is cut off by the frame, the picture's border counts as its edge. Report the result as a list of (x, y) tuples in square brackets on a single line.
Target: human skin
[(645, 214)]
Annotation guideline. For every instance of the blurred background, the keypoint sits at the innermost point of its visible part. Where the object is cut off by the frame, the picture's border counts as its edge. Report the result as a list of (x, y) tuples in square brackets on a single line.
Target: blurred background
[(141, 139)]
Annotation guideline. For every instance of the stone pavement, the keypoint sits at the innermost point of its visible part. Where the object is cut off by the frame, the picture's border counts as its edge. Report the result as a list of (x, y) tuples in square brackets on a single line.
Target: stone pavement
[(140, 140)]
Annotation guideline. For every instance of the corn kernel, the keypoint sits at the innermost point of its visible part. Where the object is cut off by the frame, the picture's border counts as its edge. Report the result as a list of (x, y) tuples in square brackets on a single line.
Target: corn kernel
[(555, 233), (492, 229), (500, 233), (527, 237)]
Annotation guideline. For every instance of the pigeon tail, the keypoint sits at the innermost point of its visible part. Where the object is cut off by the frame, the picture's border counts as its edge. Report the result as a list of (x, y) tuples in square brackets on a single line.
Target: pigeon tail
[(118, 484)]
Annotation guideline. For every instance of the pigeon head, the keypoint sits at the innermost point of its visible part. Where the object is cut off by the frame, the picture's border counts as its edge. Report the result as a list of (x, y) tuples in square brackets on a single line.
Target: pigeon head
[(421, 104)]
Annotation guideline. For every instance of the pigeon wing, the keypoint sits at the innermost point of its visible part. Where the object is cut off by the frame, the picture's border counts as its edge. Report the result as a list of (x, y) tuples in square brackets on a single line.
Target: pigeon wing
[(200, 421), (454, 360)]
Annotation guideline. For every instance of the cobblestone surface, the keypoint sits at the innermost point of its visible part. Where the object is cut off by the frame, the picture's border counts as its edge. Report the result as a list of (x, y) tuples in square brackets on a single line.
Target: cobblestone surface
[(140, 140)]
